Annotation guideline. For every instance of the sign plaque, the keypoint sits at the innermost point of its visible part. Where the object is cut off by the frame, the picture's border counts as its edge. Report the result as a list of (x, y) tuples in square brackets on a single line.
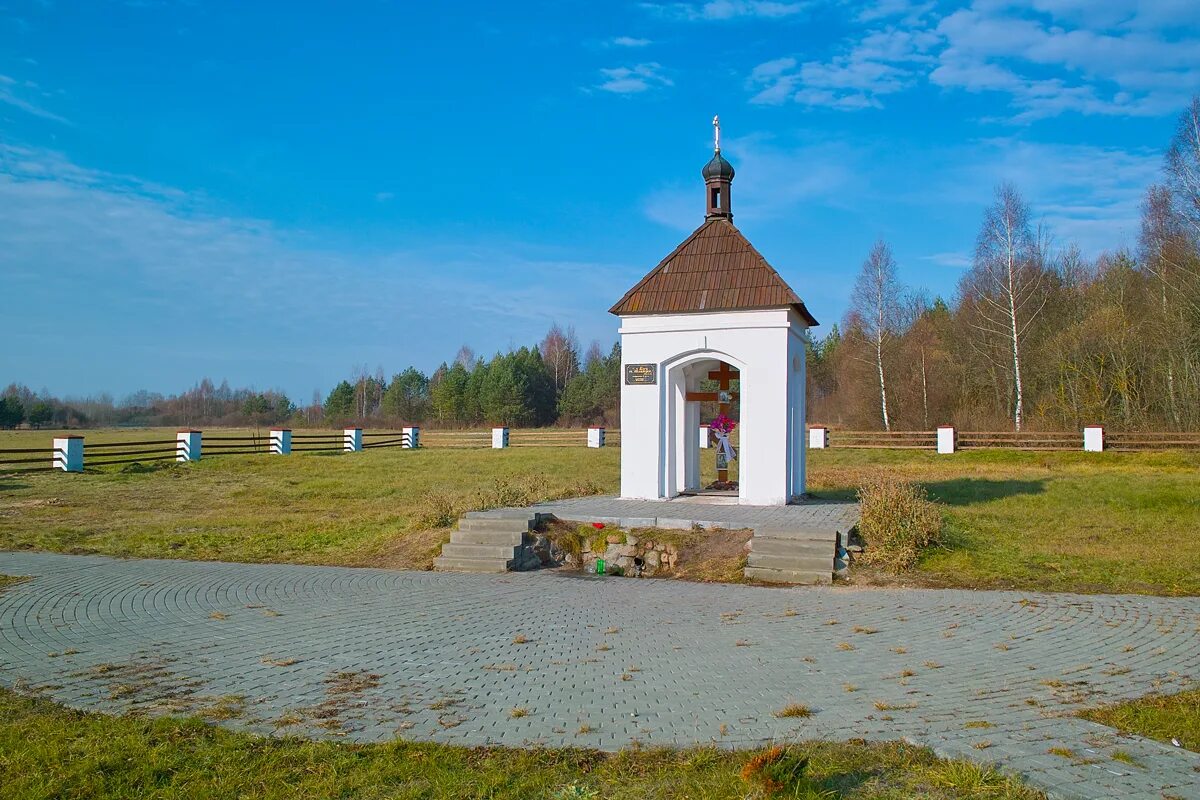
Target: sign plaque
[(636, 374)]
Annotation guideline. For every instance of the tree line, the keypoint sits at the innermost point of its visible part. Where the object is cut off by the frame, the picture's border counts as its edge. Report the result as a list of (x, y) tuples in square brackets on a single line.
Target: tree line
[(546, 384), (1037, 336)]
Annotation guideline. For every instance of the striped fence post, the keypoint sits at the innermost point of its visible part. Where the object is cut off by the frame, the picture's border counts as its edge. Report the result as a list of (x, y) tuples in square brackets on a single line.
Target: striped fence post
[(410, 438), (499, 438), (352, 440), (68, 453), (281, 441), (818, 437), (187, 444)]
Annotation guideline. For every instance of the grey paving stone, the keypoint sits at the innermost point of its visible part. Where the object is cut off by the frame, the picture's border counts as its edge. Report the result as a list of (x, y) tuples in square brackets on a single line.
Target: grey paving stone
[(367, 655)]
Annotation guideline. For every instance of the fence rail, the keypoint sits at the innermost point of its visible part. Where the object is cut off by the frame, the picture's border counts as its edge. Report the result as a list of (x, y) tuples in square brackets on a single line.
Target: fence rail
[(67, 453), (948, 440)]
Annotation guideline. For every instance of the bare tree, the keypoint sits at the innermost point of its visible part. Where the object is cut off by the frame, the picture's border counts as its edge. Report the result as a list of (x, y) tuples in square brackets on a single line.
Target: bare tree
[(465, 356), (1183, 166), (876, 302), (560, 353), (1006, 281)]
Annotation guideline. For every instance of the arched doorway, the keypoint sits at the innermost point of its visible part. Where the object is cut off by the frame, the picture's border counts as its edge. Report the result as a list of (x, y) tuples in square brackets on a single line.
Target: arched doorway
[(686, 397)]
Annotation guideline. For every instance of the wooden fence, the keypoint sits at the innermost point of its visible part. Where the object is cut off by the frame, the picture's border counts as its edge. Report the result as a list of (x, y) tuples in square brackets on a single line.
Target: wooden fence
[(1099, 439), (67, 453)]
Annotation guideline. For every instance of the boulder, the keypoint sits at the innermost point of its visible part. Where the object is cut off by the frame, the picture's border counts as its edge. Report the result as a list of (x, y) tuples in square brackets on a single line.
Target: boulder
[(613, 538)]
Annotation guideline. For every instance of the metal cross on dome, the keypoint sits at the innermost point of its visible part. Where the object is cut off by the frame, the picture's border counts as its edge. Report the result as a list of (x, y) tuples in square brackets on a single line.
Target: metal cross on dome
[(717, 133)]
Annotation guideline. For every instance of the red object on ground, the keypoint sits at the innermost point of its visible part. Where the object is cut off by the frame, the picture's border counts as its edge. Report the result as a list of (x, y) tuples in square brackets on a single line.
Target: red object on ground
[(598, 525)]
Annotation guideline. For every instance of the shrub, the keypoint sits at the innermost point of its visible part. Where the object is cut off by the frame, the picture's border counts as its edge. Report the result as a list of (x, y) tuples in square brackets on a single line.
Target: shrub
[(438, 510), (898, 522), (775, 770)]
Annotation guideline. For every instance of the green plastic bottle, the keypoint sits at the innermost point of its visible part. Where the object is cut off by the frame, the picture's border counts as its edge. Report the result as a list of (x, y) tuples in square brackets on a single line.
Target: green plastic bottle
[(599, 566)]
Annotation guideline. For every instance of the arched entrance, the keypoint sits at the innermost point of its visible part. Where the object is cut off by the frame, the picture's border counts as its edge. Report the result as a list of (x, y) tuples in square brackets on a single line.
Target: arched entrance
[(685, 376)]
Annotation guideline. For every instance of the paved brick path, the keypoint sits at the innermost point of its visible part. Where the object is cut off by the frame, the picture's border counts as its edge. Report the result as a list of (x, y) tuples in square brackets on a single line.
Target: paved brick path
[(372, 654)]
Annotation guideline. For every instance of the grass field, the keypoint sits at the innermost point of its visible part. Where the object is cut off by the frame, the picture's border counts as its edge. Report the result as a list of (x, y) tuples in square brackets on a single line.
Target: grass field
[(1161, 717), (1068, 521), (50, 752)]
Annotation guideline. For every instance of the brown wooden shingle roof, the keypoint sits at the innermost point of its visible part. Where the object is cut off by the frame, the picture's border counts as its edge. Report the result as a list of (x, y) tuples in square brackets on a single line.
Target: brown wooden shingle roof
[(714, 269)]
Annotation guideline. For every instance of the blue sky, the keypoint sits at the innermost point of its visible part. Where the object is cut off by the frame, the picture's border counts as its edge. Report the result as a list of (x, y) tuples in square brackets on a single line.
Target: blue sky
[(275, 193)]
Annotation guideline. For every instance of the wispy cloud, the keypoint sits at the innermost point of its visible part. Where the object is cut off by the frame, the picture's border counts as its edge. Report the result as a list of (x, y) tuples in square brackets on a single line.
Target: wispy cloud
[(727, 9), (635, 79), (1060, 56), (119, 257), (629, 41), (16, 94)]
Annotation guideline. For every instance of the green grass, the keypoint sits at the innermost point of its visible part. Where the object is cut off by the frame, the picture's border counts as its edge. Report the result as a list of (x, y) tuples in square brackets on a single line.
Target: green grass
[(369, 508), (1161, 717), (1065, 521), (47, 751), (1069, 521)]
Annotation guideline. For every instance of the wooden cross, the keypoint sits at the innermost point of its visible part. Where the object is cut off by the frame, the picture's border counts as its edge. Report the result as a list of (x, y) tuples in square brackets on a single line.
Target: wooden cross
[(722, 375)]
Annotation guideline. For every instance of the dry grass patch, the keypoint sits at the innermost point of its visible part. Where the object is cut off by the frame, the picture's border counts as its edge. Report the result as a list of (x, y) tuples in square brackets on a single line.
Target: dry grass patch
[(794, 711)]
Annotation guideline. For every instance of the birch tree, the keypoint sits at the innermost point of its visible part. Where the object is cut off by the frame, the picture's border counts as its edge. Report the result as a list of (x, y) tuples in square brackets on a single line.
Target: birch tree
[(1006, 283), (876, 303)]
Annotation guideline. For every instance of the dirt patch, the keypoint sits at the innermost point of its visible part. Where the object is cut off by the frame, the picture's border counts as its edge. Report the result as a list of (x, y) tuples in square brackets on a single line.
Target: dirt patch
[(405, 550)]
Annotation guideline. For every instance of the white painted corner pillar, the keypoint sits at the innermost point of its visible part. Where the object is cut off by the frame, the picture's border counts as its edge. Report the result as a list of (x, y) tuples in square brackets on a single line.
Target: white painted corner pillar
[(818, 437), (410, 437), (352, 440), (499, 438), (281, 441), (595, 436), (187, 444), (947, 439), (68, 453), (1093, 439), (705, 437)]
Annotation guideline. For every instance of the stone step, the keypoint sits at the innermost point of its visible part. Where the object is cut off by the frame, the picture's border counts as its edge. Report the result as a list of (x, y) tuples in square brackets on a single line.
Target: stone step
[(806, 533), (471, 564), (788, 576), (510, 538), (790, 562), (495, 524), (791, 547), (503, 551)]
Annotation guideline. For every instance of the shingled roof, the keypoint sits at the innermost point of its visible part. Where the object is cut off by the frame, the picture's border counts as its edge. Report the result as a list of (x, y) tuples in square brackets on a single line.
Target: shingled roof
[(714, 269)]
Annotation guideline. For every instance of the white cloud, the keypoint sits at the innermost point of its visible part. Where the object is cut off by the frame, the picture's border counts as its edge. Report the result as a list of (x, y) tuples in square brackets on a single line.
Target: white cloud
[(882, 62), (728, 9), (16, 94), (1120, 59), (635, 79), (120, 283), (629, 41)]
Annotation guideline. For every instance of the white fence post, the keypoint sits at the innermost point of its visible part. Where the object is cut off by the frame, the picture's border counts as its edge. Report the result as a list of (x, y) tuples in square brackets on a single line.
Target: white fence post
[(187, 444), (68, 453), (410, 437), (281, 441), (499, 438), (595, 436), (818, 437), (947, 439), (352, 440), (705, 437), (1093, 439)]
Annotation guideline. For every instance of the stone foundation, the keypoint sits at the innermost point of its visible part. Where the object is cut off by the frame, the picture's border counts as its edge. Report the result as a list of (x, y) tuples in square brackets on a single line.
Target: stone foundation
[(621, 550)]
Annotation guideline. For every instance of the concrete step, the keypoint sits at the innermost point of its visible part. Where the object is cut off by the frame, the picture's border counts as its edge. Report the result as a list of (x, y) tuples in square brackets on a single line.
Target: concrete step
[(471, 564), (791, 547), (510, 538), (788, 576), (503, 551), (495, 524), (789, 562), (807, 533)]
